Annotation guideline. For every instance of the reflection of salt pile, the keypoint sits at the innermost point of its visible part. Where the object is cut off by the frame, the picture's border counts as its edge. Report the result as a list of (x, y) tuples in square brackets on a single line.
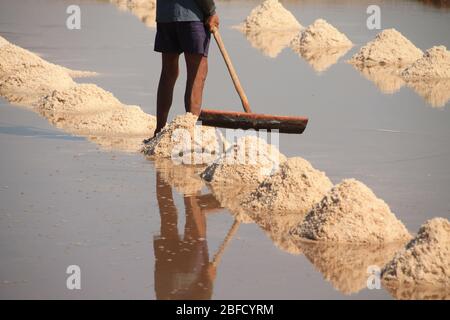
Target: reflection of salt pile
[(270, 15), (247, 162), (386, 78), (418, 293), (346, 266), (184, 179), (389, 47), (294, 188), (86, 109), (435, 64), (321, 45), (277, 228), (271, 43), (351, 213), (186, 141), (270, 27), (145, 10), (435, 91), (230, 197), (322, 58), (425, 260)]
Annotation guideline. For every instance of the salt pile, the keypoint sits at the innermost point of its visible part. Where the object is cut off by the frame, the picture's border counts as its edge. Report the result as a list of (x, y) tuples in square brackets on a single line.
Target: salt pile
[(145, 10), (435, 64), (389, 47), (321, 35), (425, 260), (185, 141), (248, 162), (24, 77), (294, 188), (351, 213), (348, 267), (271, 16), (86, 109)]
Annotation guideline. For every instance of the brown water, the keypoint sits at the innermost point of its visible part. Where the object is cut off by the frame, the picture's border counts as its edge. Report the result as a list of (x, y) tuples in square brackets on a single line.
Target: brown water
[(132, 229)]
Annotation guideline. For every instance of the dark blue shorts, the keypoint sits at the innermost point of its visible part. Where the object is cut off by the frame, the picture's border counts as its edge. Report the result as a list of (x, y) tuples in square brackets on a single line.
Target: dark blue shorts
[(178, 37)]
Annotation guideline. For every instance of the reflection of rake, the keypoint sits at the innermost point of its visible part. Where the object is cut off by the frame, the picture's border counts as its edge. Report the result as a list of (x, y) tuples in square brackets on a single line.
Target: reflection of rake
[(218, 256)]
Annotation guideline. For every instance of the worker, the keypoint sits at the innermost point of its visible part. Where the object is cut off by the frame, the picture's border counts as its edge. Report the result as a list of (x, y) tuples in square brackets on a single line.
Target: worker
[(183, 26)]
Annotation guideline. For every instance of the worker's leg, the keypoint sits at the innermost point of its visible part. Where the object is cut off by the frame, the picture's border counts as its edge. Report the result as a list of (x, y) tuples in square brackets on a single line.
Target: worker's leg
[(197, 70), (169, 75)]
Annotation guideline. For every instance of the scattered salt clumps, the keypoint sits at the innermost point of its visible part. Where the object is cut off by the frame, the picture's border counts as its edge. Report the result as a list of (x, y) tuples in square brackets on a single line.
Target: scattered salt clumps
[(389, 47), (351, 213), (247, 162), (425, 261), (294, 188)]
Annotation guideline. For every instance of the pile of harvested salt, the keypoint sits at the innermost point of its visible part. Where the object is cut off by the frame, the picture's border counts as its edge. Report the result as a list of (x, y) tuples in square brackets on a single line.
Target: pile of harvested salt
[(389, 47), (270, 16), (294, 188), (435, 64), (186, 142), (247, 162), (345, 266), (351, 213), (425, 260), (145, 10), (86, 109), (321, 35), (25, 77)]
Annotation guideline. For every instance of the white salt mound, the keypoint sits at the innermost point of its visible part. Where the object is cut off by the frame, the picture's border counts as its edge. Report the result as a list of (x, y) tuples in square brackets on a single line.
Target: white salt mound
[(294, 188), (351, 213), (86, 109), (272, 16), (188, 142), (249, 162), (389, 47), (425, 261), (321, 34), (435, 64)]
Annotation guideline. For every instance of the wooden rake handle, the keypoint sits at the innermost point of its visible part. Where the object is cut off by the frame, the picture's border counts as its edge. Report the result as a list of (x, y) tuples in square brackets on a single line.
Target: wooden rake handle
[(231, 70)]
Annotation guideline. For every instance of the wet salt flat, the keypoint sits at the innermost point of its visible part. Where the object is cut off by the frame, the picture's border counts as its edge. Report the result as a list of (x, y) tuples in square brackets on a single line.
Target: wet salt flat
[(64, 201)]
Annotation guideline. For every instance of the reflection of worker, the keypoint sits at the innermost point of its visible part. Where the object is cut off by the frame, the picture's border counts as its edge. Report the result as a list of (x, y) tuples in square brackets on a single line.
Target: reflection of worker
[(182, 267), (183, 26)]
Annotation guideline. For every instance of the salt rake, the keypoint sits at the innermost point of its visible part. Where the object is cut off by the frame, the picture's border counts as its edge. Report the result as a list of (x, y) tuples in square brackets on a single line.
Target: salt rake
[(247, 120)]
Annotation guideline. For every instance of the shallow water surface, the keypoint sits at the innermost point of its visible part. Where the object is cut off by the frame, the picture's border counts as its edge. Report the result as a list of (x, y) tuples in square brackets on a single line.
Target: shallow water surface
[(144, 229)]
